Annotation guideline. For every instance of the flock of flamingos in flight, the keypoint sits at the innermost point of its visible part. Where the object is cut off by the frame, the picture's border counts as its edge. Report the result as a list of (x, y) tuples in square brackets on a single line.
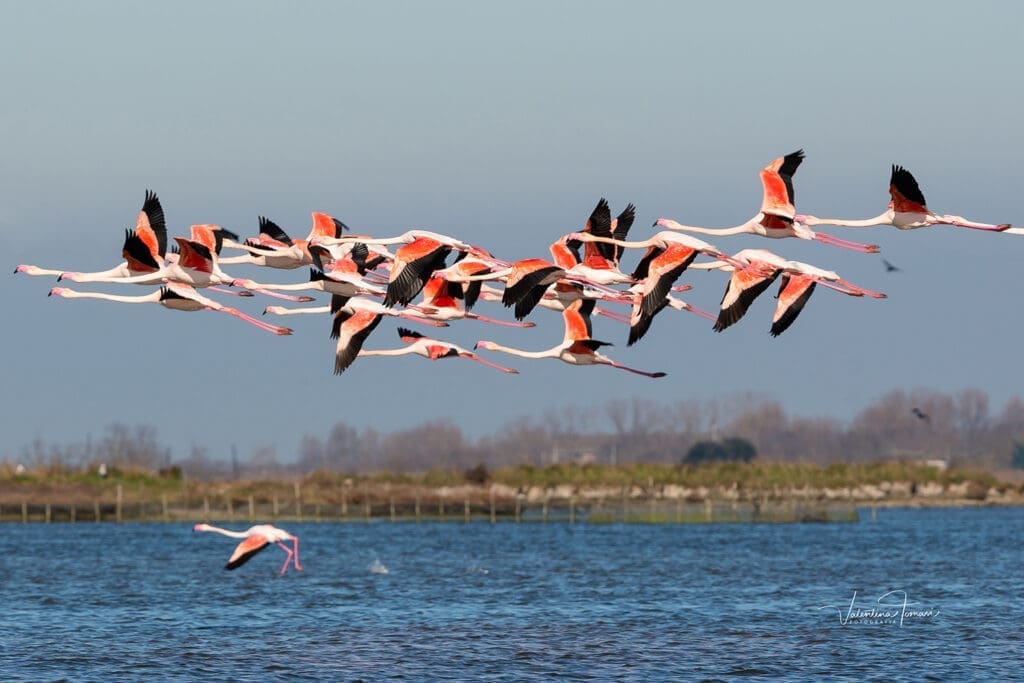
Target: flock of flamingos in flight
[(367, 281), (580, 279)]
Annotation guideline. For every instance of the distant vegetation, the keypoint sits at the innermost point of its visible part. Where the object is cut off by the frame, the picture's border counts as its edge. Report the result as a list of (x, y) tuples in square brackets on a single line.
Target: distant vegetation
[(753, 476), (909, 427)]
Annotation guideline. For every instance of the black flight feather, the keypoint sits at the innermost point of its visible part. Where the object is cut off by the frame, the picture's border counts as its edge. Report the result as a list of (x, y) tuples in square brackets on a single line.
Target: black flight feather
[(272, 230), (155, 213), (906, 185)]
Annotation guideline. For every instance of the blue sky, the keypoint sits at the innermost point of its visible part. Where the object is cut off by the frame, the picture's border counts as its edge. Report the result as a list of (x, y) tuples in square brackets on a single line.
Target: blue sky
[(503, 125)]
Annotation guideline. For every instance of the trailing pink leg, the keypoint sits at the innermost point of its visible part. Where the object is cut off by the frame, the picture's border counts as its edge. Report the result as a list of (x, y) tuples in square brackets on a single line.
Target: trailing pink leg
[(846, 244), (506, 323), (628, 369), (275, 329), (288, 559), (478, 359)]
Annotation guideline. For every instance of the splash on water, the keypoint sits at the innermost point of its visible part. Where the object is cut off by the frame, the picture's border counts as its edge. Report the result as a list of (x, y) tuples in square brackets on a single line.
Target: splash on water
[(377, 567)]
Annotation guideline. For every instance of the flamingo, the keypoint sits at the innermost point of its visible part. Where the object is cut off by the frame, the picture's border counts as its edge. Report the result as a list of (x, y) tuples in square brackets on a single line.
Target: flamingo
[(776, 217), (144, 247), (256, 538), (577, 347), (602, 224), (760, 268), (175, 296), (668, 255), (195, 264), (414, 263), (440, 298), (422, 252), (798, 281), (335, 282), (467, 266), (354, 303), (273, 247), (433, 349), (527, 281), (907, 210)]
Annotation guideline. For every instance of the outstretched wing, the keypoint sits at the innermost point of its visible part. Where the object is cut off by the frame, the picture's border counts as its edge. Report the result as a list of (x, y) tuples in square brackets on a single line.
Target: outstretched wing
[(245, 550), (151, 227), (905, 192), (777, 182), (744, 286), (793, 294)]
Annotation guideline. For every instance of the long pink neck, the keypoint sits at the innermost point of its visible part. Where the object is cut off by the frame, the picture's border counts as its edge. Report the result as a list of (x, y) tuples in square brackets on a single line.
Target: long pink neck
[(884, 219)]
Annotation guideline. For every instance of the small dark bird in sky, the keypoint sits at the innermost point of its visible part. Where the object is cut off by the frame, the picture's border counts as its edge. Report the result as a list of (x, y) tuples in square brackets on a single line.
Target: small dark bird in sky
[(890, 268), (921, 415)]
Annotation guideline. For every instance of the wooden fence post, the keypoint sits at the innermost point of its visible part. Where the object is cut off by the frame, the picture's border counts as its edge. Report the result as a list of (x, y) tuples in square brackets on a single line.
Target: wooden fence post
[(440, 507), (231, 509), (344, 501), (24, 512), (73, 515), (547, 500), (391, 503), (275, 507), (368, 506), (572, 509), (47, 517), (519, 507), (419, 517)]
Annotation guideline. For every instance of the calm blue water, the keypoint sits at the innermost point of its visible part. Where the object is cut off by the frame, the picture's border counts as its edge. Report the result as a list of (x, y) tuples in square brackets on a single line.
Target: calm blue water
[(520, 602)]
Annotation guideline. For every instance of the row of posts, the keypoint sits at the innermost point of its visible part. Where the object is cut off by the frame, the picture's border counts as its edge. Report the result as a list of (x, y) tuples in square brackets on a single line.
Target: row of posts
[(441, 511), (165, 511)]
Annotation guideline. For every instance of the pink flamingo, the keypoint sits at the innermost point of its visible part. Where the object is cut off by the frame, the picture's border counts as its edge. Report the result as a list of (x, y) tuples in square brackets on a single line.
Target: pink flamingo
[(776, 218), (577, 347), (432, 349), (177, 297), (256, 538), (907, 210)]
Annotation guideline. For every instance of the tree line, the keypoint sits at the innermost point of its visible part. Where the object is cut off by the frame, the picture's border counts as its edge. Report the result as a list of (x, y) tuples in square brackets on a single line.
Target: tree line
[(959, 428)]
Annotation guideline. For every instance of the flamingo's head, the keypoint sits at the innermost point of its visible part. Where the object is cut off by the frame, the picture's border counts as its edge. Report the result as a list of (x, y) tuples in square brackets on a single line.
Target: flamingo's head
[(66, 276), (484, 345), (201, 527)]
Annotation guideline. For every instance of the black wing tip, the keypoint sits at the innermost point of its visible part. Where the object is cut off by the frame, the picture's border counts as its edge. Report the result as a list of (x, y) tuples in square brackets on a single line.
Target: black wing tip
[(906, 183), (404, 332)]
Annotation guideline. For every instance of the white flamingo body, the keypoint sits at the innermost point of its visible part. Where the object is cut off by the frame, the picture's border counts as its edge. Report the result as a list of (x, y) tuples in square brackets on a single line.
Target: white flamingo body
[(176, 297), (907, 210), (255, 539)]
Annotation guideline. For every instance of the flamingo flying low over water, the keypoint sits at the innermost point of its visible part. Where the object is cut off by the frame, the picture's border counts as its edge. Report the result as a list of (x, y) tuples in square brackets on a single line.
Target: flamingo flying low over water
[(256, 538), (907, 210), (776, 218)]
